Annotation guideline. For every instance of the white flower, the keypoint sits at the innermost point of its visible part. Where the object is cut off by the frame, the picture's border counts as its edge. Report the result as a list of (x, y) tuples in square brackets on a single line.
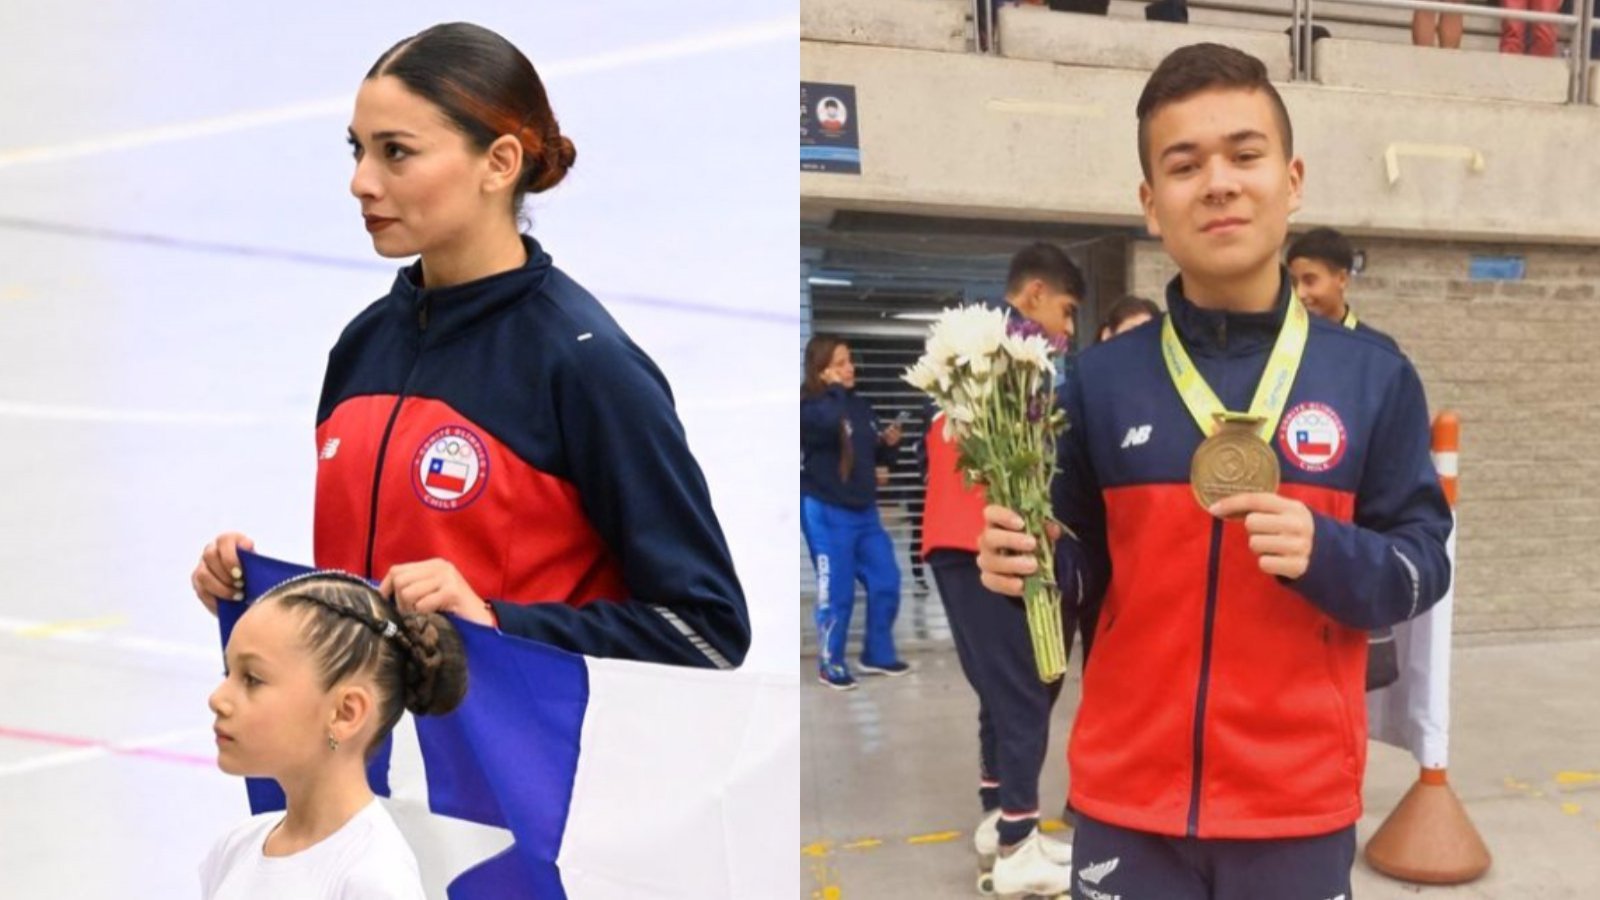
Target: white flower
[(1031, 350), (923, 376), (973, 332)]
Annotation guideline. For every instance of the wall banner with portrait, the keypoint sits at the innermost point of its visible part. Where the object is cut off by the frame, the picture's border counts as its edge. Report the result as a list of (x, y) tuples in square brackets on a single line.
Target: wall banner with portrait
[(830, 139)]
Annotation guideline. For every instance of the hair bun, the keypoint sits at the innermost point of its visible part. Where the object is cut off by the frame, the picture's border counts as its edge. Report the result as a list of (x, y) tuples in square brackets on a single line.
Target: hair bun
[(436, 670), (559, 155)]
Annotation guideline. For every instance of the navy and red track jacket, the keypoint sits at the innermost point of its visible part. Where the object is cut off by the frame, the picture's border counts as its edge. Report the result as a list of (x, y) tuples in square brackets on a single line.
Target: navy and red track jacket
[(1221, 702), (509, 426)]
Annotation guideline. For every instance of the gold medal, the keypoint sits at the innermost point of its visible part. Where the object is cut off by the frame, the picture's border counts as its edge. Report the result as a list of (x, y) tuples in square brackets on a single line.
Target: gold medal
[(1233, 460), (1236, 456)]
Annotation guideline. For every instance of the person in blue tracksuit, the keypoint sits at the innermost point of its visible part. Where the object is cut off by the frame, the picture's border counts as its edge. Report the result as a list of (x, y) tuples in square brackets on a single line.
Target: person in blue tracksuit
[(841, 446)]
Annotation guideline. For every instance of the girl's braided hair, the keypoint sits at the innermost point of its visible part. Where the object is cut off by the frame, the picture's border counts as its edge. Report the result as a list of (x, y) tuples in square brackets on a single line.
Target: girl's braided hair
[(417, 660)]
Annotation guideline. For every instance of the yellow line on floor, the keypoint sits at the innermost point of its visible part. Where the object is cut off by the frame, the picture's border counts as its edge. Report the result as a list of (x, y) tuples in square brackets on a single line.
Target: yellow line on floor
[(823, 849), (938, 837), (1568, 779), (51, 629)]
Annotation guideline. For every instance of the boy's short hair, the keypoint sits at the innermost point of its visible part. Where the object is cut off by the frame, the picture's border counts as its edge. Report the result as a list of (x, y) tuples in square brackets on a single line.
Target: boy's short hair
[(1048, 263), (1326, 246), (1199, 67)]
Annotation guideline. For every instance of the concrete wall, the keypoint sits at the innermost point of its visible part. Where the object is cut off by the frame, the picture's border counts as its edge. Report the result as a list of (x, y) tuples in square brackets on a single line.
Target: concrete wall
[(1516, 361), (1034, 32), (1428, 70), (948, 133), (917, 24)]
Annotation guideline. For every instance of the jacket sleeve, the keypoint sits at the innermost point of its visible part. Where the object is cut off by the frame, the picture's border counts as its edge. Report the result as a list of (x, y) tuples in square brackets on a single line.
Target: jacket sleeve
[(820, 417), (1083, 562), (1390, 564), (645, 495)]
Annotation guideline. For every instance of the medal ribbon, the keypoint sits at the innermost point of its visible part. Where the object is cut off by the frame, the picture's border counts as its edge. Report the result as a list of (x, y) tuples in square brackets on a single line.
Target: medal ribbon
[(1272, 393), (1349, 320)]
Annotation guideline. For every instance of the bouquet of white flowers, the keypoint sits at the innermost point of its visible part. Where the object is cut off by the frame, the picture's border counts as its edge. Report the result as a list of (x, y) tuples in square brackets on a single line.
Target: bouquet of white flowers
[(994, 379)]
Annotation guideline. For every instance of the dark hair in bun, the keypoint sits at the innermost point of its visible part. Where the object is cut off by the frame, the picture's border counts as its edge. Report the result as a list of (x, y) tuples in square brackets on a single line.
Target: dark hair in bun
[(487, 88), (417, 661)]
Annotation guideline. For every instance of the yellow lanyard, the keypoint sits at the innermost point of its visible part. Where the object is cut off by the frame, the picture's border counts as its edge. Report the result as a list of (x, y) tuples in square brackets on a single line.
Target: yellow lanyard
[(1272, 394), (1349, 320)]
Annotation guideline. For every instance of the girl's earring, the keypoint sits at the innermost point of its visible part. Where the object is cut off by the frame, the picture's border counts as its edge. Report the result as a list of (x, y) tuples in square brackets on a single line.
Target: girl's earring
[(333, 743)]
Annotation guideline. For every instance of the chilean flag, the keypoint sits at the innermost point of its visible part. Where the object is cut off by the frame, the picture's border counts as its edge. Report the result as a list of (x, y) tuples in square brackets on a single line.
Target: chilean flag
[(446, 475), (566, 776), (1302, 439)]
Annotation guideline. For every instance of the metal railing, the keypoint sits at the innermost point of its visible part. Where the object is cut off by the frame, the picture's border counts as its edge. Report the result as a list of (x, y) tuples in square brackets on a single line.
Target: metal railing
[(1579, 26)]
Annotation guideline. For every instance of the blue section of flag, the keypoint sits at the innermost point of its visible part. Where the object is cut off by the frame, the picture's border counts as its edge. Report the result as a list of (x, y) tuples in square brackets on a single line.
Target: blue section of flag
[(507, 757), (436, 466)]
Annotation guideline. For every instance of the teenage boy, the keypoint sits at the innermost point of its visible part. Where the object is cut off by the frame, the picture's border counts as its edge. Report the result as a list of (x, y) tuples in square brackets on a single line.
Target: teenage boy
[(1247, 490)]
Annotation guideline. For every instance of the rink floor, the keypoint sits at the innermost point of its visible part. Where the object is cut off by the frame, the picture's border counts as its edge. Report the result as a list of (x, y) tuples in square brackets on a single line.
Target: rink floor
[(889, 778)]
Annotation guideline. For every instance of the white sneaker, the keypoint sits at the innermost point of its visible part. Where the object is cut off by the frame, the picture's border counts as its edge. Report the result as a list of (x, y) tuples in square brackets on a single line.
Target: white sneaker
[(1030, 870)]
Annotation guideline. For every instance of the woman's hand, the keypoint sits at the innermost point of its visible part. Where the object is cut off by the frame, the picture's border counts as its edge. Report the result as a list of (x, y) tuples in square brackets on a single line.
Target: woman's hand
[(218, 575), (434, 586)]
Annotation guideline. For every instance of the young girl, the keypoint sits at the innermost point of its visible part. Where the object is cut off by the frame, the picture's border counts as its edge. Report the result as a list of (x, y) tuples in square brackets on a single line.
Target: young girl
[(318, 672)]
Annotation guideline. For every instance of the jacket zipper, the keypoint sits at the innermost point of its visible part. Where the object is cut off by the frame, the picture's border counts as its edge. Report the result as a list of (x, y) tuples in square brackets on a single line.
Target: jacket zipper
[(388, 429), (1205, 676), (1213, 575)]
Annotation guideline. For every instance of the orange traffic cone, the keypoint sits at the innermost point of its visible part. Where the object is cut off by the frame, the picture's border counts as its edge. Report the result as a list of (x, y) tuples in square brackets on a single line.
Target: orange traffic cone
[(1428, 838)]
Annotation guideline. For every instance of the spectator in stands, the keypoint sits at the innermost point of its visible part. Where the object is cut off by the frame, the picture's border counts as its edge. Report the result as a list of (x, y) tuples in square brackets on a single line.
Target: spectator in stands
[(1542, 41), (1127, 314), (1429, 28)]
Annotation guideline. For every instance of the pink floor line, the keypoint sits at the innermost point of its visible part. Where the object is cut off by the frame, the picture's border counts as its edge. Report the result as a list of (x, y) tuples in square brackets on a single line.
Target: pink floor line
[(65, 740)]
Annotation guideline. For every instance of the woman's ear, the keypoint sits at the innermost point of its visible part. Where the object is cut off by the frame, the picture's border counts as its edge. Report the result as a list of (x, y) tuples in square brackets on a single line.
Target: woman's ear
[(503, 164)]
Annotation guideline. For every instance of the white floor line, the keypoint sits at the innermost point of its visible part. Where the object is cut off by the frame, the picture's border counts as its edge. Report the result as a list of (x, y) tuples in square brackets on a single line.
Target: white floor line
[(752, 34), (89, 754)]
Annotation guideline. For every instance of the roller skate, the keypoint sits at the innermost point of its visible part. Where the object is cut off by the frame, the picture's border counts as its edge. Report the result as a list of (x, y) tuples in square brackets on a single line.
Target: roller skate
[(986, 840), (1031, 872)]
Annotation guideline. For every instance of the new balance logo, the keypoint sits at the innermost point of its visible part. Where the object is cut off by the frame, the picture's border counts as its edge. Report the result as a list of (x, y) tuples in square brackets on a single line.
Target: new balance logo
[(1095, 872), (329, 449), (1137, 437)]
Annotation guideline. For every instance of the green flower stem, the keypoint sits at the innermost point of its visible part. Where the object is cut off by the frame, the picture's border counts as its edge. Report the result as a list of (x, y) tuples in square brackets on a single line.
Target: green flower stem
[(1010, 439)]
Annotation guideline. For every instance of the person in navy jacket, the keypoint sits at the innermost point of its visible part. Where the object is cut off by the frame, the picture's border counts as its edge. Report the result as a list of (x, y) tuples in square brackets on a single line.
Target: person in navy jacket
[(841, 446), (490, 443), (1219, 747), (1321, 262)]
